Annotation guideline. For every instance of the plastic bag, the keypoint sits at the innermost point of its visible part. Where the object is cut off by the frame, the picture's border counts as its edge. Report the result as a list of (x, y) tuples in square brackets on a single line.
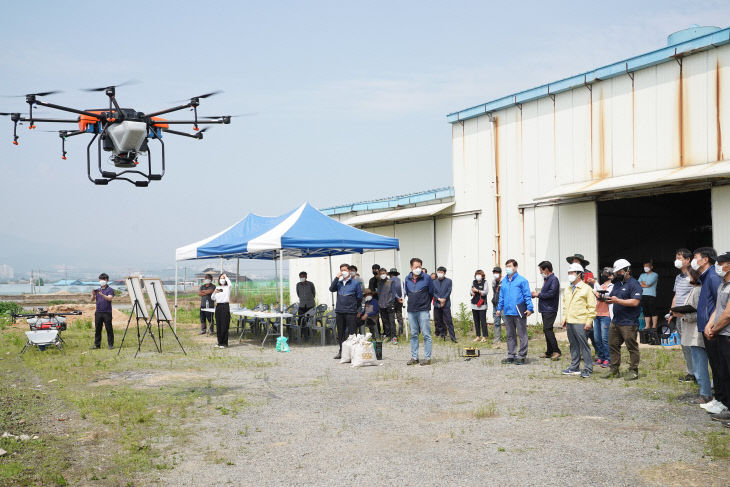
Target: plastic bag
[(363, 353), (282, 345), (346, 355)]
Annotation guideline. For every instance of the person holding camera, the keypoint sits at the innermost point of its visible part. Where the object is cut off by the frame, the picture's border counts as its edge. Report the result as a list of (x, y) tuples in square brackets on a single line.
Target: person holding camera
[(222, 298), (602, 288), (625, 298), (103, 315), (206, 301)]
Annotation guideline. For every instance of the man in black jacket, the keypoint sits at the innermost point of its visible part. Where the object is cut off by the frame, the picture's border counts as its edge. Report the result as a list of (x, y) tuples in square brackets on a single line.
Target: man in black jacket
[(349, 297), (496, 284), (549, 298)]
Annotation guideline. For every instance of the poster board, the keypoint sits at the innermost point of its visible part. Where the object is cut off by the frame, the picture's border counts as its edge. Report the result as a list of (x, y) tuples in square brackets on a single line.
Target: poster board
[(156, 293), (134, 288)]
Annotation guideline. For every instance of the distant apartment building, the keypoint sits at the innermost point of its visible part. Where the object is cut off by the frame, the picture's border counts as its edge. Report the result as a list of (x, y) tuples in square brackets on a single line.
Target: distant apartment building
[(6, 272)]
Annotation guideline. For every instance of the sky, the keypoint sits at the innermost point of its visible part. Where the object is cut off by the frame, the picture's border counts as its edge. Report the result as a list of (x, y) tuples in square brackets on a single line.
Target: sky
[(350, 103)]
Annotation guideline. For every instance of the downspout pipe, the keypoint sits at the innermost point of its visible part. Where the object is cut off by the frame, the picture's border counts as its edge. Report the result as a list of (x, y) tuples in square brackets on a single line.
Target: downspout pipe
[(497, 194)]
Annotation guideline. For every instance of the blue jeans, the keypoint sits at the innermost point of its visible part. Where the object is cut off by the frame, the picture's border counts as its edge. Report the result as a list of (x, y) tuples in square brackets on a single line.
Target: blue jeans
[(420, 322), (699, 364), (600, 336)]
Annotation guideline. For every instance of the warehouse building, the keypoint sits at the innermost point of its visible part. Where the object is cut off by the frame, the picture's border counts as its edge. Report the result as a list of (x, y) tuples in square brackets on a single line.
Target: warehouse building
[(626, 160)]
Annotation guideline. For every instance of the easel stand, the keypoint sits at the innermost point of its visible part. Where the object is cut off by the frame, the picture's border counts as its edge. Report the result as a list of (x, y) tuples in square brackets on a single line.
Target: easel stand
[(160, 325), (138, 312)]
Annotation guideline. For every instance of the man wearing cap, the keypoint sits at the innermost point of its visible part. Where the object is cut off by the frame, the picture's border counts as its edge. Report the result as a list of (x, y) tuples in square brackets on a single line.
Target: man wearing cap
[(496, 285), (442, 304), (396, 286), (369, 312), (625, 298), (579, 259), (579, 310), (717, 341)]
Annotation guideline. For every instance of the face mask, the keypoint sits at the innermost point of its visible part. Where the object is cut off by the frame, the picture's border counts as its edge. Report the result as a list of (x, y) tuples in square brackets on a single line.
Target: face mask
[(647, 269), (510, 271), (345, 274), (440, 275), (383, 276), (375, 273), (223, 282), (544, 276), (102, 283), (619, 277), (678, 264), (694, 264), (572, 278), (718, 269), (417, 271), (497, 276), (302, 279), (368, 298), (478, 278), (207, 281)]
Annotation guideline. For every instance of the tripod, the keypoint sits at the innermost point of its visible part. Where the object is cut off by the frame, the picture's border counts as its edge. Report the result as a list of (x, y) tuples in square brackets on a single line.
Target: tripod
[(156, 312), (138, 312)]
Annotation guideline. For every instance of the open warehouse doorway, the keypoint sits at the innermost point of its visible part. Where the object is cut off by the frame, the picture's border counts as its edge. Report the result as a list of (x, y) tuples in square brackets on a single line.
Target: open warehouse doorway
[(654, 227)]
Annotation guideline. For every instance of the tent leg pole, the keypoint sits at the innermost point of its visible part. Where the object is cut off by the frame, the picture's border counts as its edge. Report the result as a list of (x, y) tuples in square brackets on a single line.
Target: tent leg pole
[(408, 325), (238, 268), (281, 291), (221, 265), (332, 295), (175, 317)]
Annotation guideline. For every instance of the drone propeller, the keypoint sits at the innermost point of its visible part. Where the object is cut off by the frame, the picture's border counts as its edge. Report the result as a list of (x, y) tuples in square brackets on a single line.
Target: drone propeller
[(218, 117), (205, 95), (104, 88), (42, 93)]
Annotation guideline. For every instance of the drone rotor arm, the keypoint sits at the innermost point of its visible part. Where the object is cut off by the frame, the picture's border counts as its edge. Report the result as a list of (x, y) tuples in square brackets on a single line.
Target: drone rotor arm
[(177, 132), (66, 109)]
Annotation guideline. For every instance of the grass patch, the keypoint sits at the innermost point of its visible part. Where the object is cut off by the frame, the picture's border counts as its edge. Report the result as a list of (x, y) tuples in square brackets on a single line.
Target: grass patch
[(486, 410), (717, 444)]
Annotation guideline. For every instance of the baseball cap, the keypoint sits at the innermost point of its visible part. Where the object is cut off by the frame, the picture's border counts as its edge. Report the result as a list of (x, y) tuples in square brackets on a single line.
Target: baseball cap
[(621, 264)]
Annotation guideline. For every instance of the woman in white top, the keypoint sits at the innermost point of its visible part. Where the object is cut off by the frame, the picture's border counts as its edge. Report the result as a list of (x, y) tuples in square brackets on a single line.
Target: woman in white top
[(222, 297)]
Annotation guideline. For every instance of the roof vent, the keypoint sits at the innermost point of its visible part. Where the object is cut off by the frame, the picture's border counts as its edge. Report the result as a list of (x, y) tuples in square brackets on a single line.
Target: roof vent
[(692, 32)]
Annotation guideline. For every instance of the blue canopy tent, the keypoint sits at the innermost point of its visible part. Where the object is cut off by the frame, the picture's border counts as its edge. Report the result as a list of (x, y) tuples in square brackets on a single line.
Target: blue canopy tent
[(303, 232)]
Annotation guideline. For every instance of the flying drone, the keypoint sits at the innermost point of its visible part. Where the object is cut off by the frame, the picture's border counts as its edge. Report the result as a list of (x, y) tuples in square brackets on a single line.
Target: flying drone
[(123, 132)]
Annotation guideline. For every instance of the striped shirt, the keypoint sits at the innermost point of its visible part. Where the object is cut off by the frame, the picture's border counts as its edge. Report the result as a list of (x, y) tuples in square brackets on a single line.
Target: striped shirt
[(682, 288)]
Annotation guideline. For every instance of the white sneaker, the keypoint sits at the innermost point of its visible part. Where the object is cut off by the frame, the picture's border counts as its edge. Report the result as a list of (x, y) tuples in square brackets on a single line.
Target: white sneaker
[(717, 408), (708, 404)]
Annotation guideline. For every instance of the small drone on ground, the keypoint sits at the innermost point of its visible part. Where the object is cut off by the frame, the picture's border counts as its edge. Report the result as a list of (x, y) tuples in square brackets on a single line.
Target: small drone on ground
[(124, 132)]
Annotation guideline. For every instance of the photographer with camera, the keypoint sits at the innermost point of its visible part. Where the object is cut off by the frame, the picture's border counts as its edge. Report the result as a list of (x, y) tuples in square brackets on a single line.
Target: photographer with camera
[(602, 288)]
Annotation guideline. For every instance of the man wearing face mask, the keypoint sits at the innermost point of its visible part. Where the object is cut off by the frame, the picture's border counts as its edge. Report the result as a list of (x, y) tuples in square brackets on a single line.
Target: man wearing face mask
[(682, 288), (373, 283), (496, 286), (579, 310), (206, 301), (103, 316), (718, 330), (385, 299), (306, 294), (369, 312), (349, 297), (625, 298), (397, 287), (547, 306), (704, 263), (648, 280), (419, 291), (515, 299), (442, 305)]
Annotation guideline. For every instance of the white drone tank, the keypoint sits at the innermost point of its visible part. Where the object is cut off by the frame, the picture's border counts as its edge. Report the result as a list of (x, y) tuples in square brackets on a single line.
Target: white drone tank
[(127, 135)]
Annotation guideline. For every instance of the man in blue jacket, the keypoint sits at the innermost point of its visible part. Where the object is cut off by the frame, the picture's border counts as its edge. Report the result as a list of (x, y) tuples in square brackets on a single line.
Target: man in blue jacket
[(547, 306), (419, 291), (349, 297), (442, 305), (515, 299)]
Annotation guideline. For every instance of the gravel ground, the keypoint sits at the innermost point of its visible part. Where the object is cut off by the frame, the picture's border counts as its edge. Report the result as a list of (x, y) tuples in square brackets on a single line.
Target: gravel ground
[(313, 421)]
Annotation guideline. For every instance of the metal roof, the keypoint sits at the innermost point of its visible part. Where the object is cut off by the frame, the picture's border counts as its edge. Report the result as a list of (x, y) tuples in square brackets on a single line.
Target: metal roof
[(390, 216), (392, 201), (619, 68)]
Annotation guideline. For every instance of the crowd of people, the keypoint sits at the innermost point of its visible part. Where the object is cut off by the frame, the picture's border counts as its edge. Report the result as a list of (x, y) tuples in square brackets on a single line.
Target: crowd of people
[(605, 310)]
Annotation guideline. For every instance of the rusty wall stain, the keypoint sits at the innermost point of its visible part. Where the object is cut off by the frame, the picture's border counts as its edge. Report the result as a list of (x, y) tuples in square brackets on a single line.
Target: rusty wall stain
[(601, 138), (680, 113), (555, 145), (633, 124), (590, 91), (498, 196), (720, 156)]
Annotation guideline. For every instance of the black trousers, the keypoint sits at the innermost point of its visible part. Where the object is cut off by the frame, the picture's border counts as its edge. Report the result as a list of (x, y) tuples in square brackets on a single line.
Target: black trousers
[(104, 319), (398, 312), (300, 320), (387, 316), (444, 323), (719, 366), (480, 322), (205, 318), (346, 326), (548, 323), (223, 321)]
